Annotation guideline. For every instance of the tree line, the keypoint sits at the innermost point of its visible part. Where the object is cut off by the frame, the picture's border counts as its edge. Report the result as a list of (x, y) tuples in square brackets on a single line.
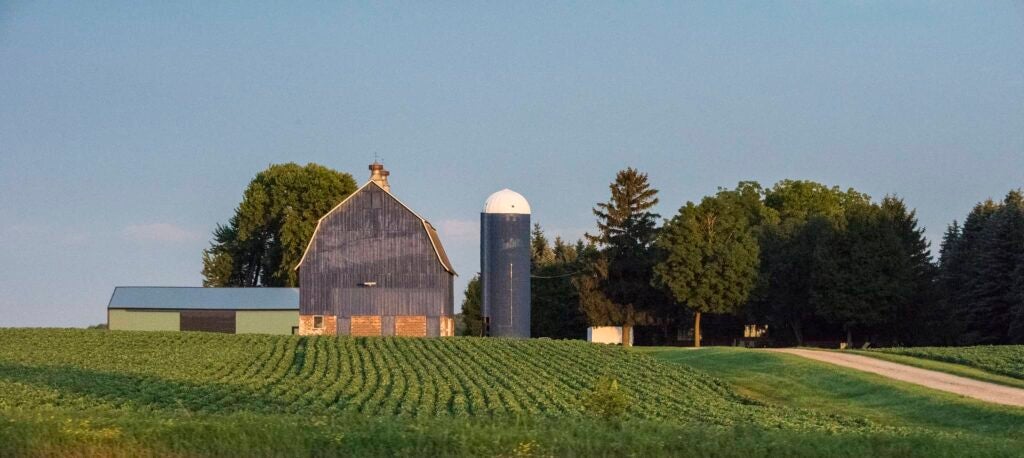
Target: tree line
[(814, 263), (811, 262)]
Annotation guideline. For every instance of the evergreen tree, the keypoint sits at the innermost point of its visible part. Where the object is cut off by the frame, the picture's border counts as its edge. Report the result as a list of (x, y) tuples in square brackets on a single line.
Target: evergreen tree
[(993, 290), (554, 310), (616, 288), (969, 255), (917, 322), (266, 237), (949, 285), (711, 258), (540, 250), (472, 308), (1016, 331), (874, 274)]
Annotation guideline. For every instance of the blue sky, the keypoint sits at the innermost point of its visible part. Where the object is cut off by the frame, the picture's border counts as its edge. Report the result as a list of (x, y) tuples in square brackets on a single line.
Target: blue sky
[(128, 130)]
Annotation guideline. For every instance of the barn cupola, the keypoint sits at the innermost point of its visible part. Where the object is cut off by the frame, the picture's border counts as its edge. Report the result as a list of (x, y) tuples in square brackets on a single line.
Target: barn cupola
[(379, 175)]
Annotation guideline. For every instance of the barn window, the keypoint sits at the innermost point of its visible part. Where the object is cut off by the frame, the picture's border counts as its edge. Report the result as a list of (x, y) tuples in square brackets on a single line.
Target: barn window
[(318, 322)]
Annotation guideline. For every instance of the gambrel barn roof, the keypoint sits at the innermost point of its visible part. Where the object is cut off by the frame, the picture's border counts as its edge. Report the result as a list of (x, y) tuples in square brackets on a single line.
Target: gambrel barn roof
[(431, 232)]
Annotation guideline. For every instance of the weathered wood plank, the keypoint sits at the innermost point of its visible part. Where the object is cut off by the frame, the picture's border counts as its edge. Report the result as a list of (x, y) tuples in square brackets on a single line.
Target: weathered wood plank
[(373, 256)]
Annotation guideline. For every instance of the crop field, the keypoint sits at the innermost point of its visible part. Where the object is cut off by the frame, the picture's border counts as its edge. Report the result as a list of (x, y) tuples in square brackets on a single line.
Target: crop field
[(402, 377), (1006, 360), (104, 393)]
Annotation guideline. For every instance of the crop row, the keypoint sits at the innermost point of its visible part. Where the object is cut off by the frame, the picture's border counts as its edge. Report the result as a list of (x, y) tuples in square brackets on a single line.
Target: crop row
[(1000, 359), (403, 377)]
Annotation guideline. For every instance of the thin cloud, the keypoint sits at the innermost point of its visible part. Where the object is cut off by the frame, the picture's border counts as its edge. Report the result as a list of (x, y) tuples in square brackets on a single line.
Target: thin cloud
[(159, 232)]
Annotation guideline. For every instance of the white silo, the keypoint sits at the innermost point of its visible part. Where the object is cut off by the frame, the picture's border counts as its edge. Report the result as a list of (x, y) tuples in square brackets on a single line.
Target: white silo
[(505, 264)]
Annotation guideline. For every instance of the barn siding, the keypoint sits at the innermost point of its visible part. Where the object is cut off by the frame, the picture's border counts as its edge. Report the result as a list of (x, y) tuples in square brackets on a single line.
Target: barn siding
[(143, 320), (374, 238), (266, 321)]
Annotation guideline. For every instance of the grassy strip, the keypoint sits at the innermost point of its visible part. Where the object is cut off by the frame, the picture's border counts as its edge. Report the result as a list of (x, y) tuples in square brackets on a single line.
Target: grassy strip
[(806, 384), (66, 433), (942, 366)]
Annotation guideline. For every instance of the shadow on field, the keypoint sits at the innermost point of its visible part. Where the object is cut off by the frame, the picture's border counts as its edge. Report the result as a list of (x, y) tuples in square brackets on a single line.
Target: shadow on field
[(117, 389)]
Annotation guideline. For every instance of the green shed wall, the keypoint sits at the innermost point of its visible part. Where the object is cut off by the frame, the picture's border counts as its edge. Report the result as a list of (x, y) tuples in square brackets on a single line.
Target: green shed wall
[(144, 320), (266, 321)]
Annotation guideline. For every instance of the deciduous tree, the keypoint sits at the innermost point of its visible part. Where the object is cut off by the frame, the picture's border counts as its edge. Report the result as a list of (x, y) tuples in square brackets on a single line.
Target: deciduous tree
[(711, 257), (265, 238)]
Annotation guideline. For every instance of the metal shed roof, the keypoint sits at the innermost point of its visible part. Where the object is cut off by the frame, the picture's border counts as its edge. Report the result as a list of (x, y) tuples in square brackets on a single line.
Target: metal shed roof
[(185, 297)]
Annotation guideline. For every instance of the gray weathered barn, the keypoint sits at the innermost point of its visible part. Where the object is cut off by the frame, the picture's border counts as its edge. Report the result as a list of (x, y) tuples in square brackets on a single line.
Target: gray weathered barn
[(375, 267)]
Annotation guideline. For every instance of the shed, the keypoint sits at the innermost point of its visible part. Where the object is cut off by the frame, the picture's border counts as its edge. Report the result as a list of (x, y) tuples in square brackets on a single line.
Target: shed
[(229, 310)]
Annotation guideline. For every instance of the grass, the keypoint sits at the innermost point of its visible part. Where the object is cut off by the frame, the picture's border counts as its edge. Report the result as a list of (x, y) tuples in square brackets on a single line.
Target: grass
[(96, 393), (781, 379), (81, 434), (941, 366)]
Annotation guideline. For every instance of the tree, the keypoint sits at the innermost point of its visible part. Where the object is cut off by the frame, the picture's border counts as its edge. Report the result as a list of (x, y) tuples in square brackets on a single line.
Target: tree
[(540, 250), (918, 321), (874, 273), (949, 282), (993, 291), (959, 270), (616, 287), (472, 306), (265, 238), (806, 215), (554, 302), (711, 257)]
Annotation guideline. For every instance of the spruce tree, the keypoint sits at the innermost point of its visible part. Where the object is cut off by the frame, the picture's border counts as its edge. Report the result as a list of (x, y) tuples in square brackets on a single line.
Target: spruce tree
[(616, 289), (874, 275), (993, 293), (472, 308), (554, 309)]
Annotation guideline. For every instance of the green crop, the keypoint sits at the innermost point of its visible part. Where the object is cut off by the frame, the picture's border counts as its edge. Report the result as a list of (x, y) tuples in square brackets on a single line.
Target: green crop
[(392, 377), (97, 393), (999, 359)]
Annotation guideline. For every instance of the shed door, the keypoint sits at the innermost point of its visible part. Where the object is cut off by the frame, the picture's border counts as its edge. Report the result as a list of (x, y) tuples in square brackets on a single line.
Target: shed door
[(208, 320)]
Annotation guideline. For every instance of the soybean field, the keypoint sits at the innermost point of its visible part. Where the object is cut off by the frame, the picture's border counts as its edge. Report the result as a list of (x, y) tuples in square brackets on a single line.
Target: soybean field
[(100, 393), (322, 375), (999, 359)]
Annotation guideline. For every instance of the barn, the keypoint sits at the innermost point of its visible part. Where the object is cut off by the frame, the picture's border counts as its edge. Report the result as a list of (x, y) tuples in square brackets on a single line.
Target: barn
[(374, 267), (229, 310)]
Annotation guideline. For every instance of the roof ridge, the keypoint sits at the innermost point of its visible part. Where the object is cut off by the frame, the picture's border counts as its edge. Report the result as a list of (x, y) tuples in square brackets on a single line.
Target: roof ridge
[(438, 248)]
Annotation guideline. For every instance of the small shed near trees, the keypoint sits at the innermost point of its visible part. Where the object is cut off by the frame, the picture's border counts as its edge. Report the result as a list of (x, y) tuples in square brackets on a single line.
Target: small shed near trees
[(228, 310), (374, 267)]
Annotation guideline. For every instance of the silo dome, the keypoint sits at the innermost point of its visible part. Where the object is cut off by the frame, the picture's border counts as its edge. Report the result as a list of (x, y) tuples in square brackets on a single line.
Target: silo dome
[(507, 201)]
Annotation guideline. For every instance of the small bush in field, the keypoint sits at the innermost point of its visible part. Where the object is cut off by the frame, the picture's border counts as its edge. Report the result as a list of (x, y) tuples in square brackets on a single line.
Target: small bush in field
[(606, 399)]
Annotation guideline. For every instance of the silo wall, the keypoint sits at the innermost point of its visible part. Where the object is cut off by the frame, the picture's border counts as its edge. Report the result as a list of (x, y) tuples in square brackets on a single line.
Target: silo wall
[(505, 273)]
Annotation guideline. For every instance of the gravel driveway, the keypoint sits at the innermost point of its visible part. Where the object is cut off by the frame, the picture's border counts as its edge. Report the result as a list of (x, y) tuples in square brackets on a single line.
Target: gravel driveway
[(985, 391)]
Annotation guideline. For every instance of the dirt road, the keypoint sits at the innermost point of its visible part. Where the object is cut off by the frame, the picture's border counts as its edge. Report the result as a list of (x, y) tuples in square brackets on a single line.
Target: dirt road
[(989, 392)]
